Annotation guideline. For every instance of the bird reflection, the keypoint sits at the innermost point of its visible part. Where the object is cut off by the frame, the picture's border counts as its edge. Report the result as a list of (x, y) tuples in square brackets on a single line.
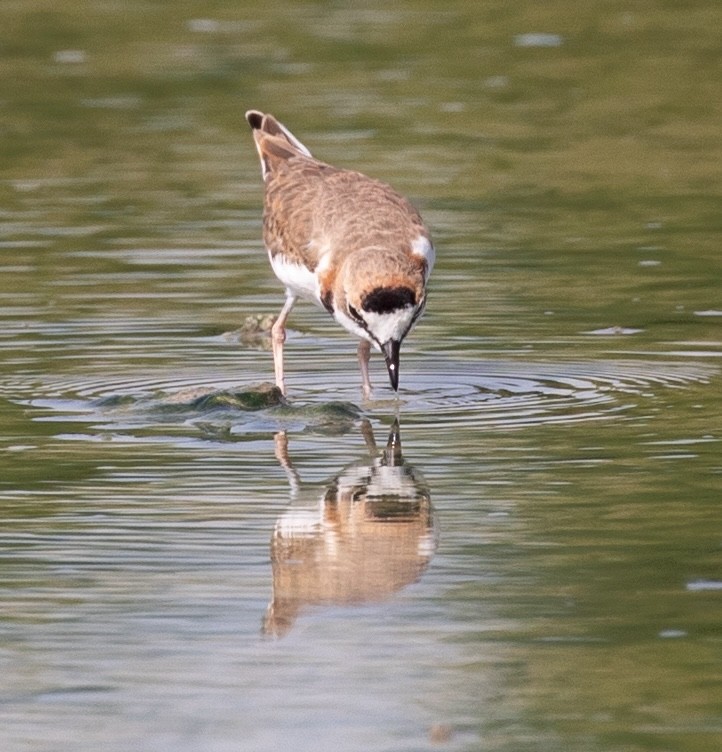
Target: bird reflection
[(367, 533)]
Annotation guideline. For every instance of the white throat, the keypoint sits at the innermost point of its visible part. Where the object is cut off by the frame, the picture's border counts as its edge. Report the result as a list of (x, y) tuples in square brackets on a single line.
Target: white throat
[(382, 327)]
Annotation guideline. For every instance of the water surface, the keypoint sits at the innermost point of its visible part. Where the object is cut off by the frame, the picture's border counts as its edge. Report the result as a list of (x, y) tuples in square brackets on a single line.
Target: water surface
[(531, 558)]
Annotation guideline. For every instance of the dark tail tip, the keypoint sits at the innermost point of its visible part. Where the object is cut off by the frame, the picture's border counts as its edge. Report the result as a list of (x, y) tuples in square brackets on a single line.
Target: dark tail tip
[(255, 119)]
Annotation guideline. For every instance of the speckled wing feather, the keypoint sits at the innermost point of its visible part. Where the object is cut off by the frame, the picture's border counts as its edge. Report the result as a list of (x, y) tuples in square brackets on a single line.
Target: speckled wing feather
[(312, 208)]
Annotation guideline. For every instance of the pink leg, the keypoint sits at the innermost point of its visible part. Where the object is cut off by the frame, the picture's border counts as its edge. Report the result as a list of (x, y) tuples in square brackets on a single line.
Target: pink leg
[(364, 353), (278, 337)]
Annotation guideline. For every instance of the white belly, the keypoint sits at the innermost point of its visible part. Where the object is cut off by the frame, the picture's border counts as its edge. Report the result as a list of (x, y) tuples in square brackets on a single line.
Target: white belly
[(297, 278)]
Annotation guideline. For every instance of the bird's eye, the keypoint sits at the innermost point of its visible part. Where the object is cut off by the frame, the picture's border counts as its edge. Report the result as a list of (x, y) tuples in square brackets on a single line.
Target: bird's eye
[(355, 315)]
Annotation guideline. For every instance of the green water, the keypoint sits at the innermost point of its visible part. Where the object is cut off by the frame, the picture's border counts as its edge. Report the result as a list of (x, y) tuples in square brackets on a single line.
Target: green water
[(189, 563)]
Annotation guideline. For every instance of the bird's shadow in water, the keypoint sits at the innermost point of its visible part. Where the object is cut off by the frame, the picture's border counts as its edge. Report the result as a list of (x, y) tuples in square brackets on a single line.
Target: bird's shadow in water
[(359, 537)]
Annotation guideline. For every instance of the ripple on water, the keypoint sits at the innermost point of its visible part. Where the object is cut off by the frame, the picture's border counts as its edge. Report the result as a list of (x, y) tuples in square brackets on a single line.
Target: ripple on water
[(509, 394), (517, 394)]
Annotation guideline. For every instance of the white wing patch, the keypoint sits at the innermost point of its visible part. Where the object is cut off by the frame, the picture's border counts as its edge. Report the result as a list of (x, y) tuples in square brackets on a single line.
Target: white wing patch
[(423, 247)]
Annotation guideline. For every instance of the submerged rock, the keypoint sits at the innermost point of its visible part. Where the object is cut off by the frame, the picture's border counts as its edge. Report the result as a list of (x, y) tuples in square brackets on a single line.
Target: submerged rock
[(255, 331), (256, 397)]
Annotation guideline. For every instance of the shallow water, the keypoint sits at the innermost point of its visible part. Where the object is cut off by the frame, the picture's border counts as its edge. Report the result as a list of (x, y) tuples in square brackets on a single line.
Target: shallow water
[(532, 559)]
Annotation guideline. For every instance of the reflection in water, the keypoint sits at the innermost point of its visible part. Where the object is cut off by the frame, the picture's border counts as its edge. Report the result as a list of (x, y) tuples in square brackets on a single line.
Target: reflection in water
[(365, 535)]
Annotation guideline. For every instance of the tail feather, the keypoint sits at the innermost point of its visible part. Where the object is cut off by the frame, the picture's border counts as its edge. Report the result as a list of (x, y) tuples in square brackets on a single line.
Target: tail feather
[(273, 140)]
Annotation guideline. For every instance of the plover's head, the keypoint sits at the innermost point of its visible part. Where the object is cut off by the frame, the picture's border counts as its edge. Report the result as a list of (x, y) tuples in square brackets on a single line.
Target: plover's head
[(381, 298)]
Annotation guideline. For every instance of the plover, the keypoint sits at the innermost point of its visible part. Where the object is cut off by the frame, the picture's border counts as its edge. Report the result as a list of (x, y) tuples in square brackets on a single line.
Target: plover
[(347, 242)]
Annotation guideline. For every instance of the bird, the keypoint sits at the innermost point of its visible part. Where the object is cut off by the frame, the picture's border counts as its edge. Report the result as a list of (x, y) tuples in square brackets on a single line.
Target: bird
[(347, 242)]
